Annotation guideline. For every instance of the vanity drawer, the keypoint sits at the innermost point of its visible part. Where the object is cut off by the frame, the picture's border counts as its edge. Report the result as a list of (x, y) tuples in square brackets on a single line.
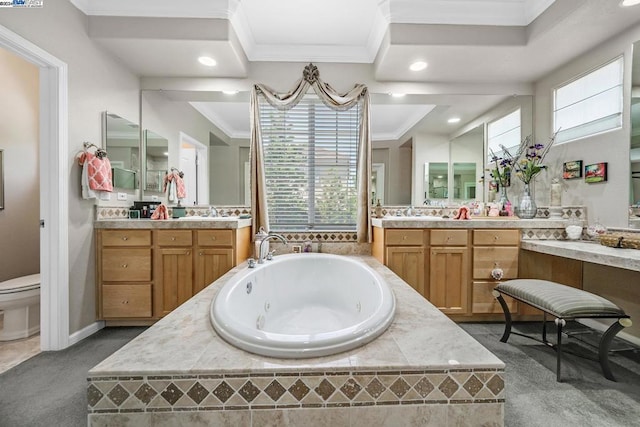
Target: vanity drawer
[(404, 237), (449, 237), (484, 302), (496, 237), (126, 300), (174, 238), (215, 237), (126, 237), (126, 265), (487, 258)]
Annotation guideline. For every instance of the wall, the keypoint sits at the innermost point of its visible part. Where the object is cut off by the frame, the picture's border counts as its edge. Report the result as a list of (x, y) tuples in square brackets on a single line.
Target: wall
[(19, 221), (97, 82), (606, 202)]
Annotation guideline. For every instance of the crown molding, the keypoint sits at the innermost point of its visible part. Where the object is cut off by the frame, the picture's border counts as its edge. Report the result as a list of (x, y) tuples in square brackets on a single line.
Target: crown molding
[(158, 8)]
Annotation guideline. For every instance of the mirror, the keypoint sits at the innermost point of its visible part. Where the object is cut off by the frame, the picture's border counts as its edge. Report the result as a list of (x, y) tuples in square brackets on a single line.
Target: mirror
[(156, 161), (467, 156), (464, 181), (121, 139), (436, 182), (634, 146)]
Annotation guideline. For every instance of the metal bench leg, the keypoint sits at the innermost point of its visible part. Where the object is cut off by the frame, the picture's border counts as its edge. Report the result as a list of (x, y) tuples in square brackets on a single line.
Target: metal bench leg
[(544, 328), (559, 324), (605, 344), (507, 315)]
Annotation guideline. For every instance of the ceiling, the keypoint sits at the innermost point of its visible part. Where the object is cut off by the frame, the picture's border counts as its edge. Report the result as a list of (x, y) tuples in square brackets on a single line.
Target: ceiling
[(478, 51)]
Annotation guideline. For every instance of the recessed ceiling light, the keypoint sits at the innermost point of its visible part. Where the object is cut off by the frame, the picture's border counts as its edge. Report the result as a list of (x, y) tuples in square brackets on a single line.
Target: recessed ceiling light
[(629, 3), (418, 66), (166, 153), (229, 92), (397, 95), (208, 61), (453, 120)]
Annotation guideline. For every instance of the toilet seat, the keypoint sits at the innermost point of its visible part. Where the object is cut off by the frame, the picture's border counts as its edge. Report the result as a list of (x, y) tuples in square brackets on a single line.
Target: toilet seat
[(20, 284)]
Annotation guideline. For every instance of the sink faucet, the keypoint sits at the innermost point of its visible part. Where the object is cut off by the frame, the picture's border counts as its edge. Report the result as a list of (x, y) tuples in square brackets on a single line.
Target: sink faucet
[(266, 239), (213, 211)]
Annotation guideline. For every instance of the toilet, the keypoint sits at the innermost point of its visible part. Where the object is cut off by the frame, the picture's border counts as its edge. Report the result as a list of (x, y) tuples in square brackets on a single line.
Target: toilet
[(20, 307)]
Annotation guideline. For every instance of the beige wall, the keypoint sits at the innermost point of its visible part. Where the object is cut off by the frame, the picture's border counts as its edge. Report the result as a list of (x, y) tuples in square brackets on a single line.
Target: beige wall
[(97, 82), (19, 221), (606, 202)]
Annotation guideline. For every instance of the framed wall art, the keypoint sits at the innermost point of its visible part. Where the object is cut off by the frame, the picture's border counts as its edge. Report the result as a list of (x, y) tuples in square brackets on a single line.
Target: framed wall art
[(596, 172), (572, 170)]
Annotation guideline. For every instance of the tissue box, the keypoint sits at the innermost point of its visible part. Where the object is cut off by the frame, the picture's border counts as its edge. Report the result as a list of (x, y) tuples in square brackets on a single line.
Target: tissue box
[(178, 212)]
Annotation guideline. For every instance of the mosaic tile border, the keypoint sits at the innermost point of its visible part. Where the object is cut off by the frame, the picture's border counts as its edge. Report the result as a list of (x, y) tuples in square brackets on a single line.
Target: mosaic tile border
[(568, 212), (229, 392), (321, 237), (119, 212)]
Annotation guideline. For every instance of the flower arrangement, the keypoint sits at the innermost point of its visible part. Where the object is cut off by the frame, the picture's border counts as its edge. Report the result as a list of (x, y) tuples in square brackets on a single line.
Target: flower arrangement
[(527, 162)]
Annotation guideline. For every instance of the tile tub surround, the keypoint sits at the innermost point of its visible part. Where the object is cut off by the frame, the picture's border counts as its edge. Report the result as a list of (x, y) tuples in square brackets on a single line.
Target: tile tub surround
[(424, 368)]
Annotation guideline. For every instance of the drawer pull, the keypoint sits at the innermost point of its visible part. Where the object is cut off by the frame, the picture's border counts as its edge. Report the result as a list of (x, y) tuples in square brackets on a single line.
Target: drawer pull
[(188, 253), (201, 253), (173, 238), (125, 302), (124, 265), (213, 237), (125, 238)]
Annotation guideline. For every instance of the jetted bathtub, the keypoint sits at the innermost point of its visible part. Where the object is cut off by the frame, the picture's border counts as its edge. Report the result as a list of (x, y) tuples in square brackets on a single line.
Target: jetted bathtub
[(303, 305)]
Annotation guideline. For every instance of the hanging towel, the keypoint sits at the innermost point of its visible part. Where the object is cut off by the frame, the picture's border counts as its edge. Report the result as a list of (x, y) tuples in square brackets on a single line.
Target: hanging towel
[(181, 189), (87, 192), (160, 212), (98, 171)]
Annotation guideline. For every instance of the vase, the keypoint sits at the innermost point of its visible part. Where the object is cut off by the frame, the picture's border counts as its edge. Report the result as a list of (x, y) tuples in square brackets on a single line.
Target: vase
[(527, 208), (502, 201)]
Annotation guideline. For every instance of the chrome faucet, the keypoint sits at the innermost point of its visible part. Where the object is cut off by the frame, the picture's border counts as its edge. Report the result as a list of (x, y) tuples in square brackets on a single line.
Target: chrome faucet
[(213, 211), (266, 239)]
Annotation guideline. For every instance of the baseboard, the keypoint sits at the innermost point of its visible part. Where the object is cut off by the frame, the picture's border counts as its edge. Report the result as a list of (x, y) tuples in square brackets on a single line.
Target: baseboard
[(85, 332), (594, 324)]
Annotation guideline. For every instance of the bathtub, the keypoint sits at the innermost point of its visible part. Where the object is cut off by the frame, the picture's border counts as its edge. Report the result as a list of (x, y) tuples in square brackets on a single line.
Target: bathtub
[(303, 305)]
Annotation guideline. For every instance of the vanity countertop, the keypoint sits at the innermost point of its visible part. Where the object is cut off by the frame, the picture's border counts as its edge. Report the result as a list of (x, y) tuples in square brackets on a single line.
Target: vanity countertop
[(185, 223), (483, 222), (592, 252)]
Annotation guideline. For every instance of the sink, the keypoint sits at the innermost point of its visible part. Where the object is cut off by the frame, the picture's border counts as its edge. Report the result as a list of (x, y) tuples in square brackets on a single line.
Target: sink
[(208, 218)]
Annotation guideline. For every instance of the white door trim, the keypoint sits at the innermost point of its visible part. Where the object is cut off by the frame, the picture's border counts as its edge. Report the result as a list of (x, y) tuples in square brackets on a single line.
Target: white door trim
[(203, 166), (54, 195)]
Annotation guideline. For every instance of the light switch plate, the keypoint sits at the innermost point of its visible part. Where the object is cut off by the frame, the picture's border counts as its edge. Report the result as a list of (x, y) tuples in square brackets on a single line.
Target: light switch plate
[(122, 196), (154, 198)]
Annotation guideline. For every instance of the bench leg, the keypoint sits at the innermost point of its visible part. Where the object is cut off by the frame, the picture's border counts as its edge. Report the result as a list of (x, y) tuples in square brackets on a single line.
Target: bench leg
[(605, 344), (507, 316), (559, 324), (544, 328)]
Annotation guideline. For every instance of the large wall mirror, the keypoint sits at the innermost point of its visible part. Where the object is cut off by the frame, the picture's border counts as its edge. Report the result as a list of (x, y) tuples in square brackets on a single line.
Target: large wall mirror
[(634, 145), (403, 131), (121, 139)]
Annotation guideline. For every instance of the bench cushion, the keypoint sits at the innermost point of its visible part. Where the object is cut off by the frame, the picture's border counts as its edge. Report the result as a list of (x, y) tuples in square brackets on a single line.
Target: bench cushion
[(560, 300)]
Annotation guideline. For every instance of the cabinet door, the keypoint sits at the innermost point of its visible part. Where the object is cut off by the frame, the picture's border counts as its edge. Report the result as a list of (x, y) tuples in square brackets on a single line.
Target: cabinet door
[(210, 265), (175, 278), (449, 279), (126, 300), (408, 264)]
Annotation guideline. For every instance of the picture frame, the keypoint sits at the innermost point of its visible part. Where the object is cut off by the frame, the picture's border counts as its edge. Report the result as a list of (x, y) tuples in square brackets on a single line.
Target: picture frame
[(596, 172), (572, 169)]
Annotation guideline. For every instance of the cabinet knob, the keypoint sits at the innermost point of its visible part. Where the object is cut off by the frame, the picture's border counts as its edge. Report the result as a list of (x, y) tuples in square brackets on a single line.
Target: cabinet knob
[(404, 237), (125, 302), (213, 237), (173, 238), (188, 253), (201, 253), (124, 265), (125, 238)]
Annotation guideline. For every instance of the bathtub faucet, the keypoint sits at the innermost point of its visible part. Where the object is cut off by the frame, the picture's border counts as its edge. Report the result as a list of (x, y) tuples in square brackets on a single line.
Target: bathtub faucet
[(266, 239)]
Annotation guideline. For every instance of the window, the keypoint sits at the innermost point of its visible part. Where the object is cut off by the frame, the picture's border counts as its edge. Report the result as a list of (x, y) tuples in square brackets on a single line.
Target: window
[(504, 132), (590, 104), (310, 154)]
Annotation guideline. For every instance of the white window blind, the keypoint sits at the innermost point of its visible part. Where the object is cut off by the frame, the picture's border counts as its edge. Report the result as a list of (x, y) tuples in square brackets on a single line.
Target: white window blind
[(504, 132), (590, 104), (310, 156)]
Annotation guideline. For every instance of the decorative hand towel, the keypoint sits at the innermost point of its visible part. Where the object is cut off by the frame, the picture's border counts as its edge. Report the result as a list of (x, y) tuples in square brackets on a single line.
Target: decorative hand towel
[(160, 212), (181, 189), (99, 172), (87, 192)]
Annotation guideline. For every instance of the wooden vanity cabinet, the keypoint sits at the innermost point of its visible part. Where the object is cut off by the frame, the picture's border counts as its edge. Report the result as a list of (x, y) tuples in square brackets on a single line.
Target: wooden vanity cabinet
[(405, 256), (142, 275), (449, 270), (493, 249), (124, 262)]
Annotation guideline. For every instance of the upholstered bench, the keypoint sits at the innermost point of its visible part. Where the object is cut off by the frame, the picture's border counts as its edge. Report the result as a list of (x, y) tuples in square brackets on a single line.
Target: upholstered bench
[(564, 303)]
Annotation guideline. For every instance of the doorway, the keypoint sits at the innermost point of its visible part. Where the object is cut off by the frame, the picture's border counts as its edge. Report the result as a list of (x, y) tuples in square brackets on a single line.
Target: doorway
[(194, 162)]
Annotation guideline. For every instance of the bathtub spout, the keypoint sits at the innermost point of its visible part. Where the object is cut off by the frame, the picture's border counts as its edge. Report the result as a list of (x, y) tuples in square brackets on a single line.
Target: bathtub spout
[(266, 239)]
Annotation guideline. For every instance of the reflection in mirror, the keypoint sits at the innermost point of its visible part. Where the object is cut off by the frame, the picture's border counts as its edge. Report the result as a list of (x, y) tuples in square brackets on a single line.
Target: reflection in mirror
[(467, 155), (156, 164), (121, 139), (377, 183), (634, 153), (464, 181), (436, 181)]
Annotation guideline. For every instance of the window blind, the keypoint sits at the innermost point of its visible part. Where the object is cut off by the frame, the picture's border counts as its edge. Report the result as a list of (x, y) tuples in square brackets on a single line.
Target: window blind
[(310, 154), (590, 104), (504, 132)]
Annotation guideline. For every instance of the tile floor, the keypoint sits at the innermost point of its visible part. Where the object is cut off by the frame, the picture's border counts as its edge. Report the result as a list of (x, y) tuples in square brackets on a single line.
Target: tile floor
[(15, 352)]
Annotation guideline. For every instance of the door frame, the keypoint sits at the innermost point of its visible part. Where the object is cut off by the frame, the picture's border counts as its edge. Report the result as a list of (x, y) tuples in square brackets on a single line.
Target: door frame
[(54, 194)]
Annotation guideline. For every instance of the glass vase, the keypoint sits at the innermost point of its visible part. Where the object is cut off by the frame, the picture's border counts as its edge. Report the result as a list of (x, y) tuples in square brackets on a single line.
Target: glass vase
[(503, 196), (527, 208)]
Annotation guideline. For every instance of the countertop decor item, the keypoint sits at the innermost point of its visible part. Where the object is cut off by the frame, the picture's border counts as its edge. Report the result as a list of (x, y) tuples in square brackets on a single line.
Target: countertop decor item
[(574, 232)]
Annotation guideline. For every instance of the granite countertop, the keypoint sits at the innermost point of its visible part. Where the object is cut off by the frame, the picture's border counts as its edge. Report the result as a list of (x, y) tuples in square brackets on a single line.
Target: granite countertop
[(184, 342), (480, 222), (586, 251), (186, 222)]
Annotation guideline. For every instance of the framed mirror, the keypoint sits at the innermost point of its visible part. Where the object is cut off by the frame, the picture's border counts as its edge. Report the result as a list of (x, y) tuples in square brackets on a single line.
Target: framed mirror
[(436, 181), (634, 145), (121, 139), (156, 161)]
